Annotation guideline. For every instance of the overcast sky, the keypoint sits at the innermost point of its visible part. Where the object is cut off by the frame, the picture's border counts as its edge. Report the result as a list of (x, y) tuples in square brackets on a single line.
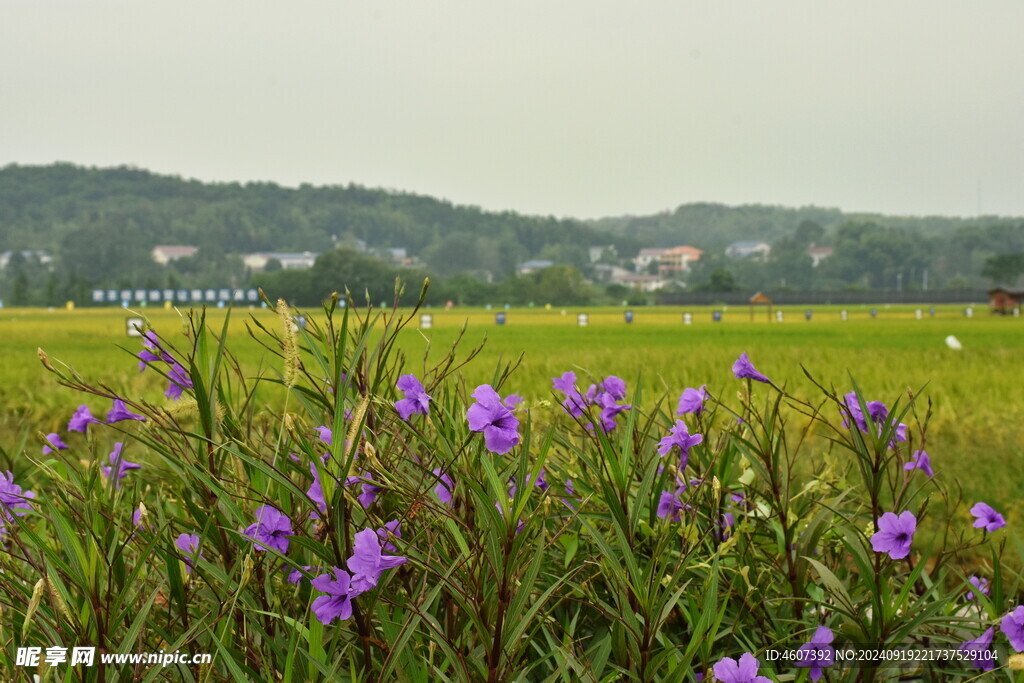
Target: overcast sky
[(577, 108)]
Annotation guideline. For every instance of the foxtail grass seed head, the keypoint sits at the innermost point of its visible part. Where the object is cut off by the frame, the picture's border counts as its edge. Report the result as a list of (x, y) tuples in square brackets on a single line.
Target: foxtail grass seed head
[(183, 409), (1016, 662), (290, 342), (33, 605), (58, 600), (246, 571)]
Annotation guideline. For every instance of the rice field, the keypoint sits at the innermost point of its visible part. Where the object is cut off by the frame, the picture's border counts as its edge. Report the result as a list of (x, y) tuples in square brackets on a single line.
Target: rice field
[(975, 392)]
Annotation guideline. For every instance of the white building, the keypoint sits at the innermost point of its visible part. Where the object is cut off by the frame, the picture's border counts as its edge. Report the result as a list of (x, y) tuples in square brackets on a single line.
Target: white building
[(757, 250), (29, 255), (289, 261), (533, 266), (818, 254), (646, 257), (643, 283), (165, 253), (596, 253)]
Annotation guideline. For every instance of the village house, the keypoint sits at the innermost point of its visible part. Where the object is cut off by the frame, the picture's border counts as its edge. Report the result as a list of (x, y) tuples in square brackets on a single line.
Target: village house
[(818, 254), (289, 261), (755, 250), (533, 266), (642, 283), (40, 255), (597, 253), (646, 257), (397, 256), (165, 253), (678, 259)]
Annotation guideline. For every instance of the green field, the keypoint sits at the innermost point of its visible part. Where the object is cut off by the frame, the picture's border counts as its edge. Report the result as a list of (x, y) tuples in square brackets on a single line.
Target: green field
[(975, 392)]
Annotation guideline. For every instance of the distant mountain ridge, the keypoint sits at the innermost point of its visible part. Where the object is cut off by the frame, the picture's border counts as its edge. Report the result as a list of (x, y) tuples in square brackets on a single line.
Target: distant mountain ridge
[(40, 205), (711, 225)]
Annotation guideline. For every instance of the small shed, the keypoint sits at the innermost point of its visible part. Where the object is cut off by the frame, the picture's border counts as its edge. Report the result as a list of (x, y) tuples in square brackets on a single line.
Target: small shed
[(760, 299), (1003, 300)]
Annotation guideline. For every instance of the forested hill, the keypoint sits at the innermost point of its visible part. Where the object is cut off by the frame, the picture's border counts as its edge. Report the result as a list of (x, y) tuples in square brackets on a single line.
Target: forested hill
[(63, 208), (713, 226), (48, 207)]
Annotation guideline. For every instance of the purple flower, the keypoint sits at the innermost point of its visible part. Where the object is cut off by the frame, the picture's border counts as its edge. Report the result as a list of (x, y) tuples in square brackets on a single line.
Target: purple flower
[(725, 525), (728, 670), (920, 461), (895, 534), (987, 518), (390, 530), (512, 401), (324, 434), (271, 530), (819, 652), (53, 442), (501, 511), (120, 412), (609, 410), (878, 414), (151, 353), (679, 436), (541, 483), (565, 383), (13, 501), (294, 575), (119, 466), (744, 369), (490, 416), (574, 403), (670, 505), (980, 585), (367, 562), (370, 492), (444, 488), (614, 387), (416, 398), (81, 420), (979, 649), (337, 604), (179, 380), (150, 343), (137, 517), (570, 495), (692, 400), (316, 493), (1013, 627), (189, 545)]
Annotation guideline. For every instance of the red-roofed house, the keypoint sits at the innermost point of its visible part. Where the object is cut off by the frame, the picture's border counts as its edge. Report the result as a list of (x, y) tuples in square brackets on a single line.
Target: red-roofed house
[(678, 259)]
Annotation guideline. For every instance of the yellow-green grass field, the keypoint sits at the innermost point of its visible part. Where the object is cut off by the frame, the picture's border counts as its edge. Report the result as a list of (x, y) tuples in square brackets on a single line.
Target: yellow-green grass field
[(977, 392)]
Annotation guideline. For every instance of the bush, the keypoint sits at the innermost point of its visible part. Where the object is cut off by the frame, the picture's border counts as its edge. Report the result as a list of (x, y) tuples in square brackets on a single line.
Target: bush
[(338, 517)]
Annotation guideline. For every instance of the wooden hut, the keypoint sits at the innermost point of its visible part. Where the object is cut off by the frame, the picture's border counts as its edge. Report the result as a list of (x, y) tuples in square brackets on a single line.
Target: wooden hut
[(1003, 300), (760, 299)]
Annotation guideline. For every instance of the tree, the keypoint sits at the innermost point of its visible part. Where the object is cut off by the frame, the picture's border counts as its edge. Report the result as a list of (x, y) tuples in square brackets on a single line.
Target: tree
[(807, 232), (1004, 269), (720, 280)]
